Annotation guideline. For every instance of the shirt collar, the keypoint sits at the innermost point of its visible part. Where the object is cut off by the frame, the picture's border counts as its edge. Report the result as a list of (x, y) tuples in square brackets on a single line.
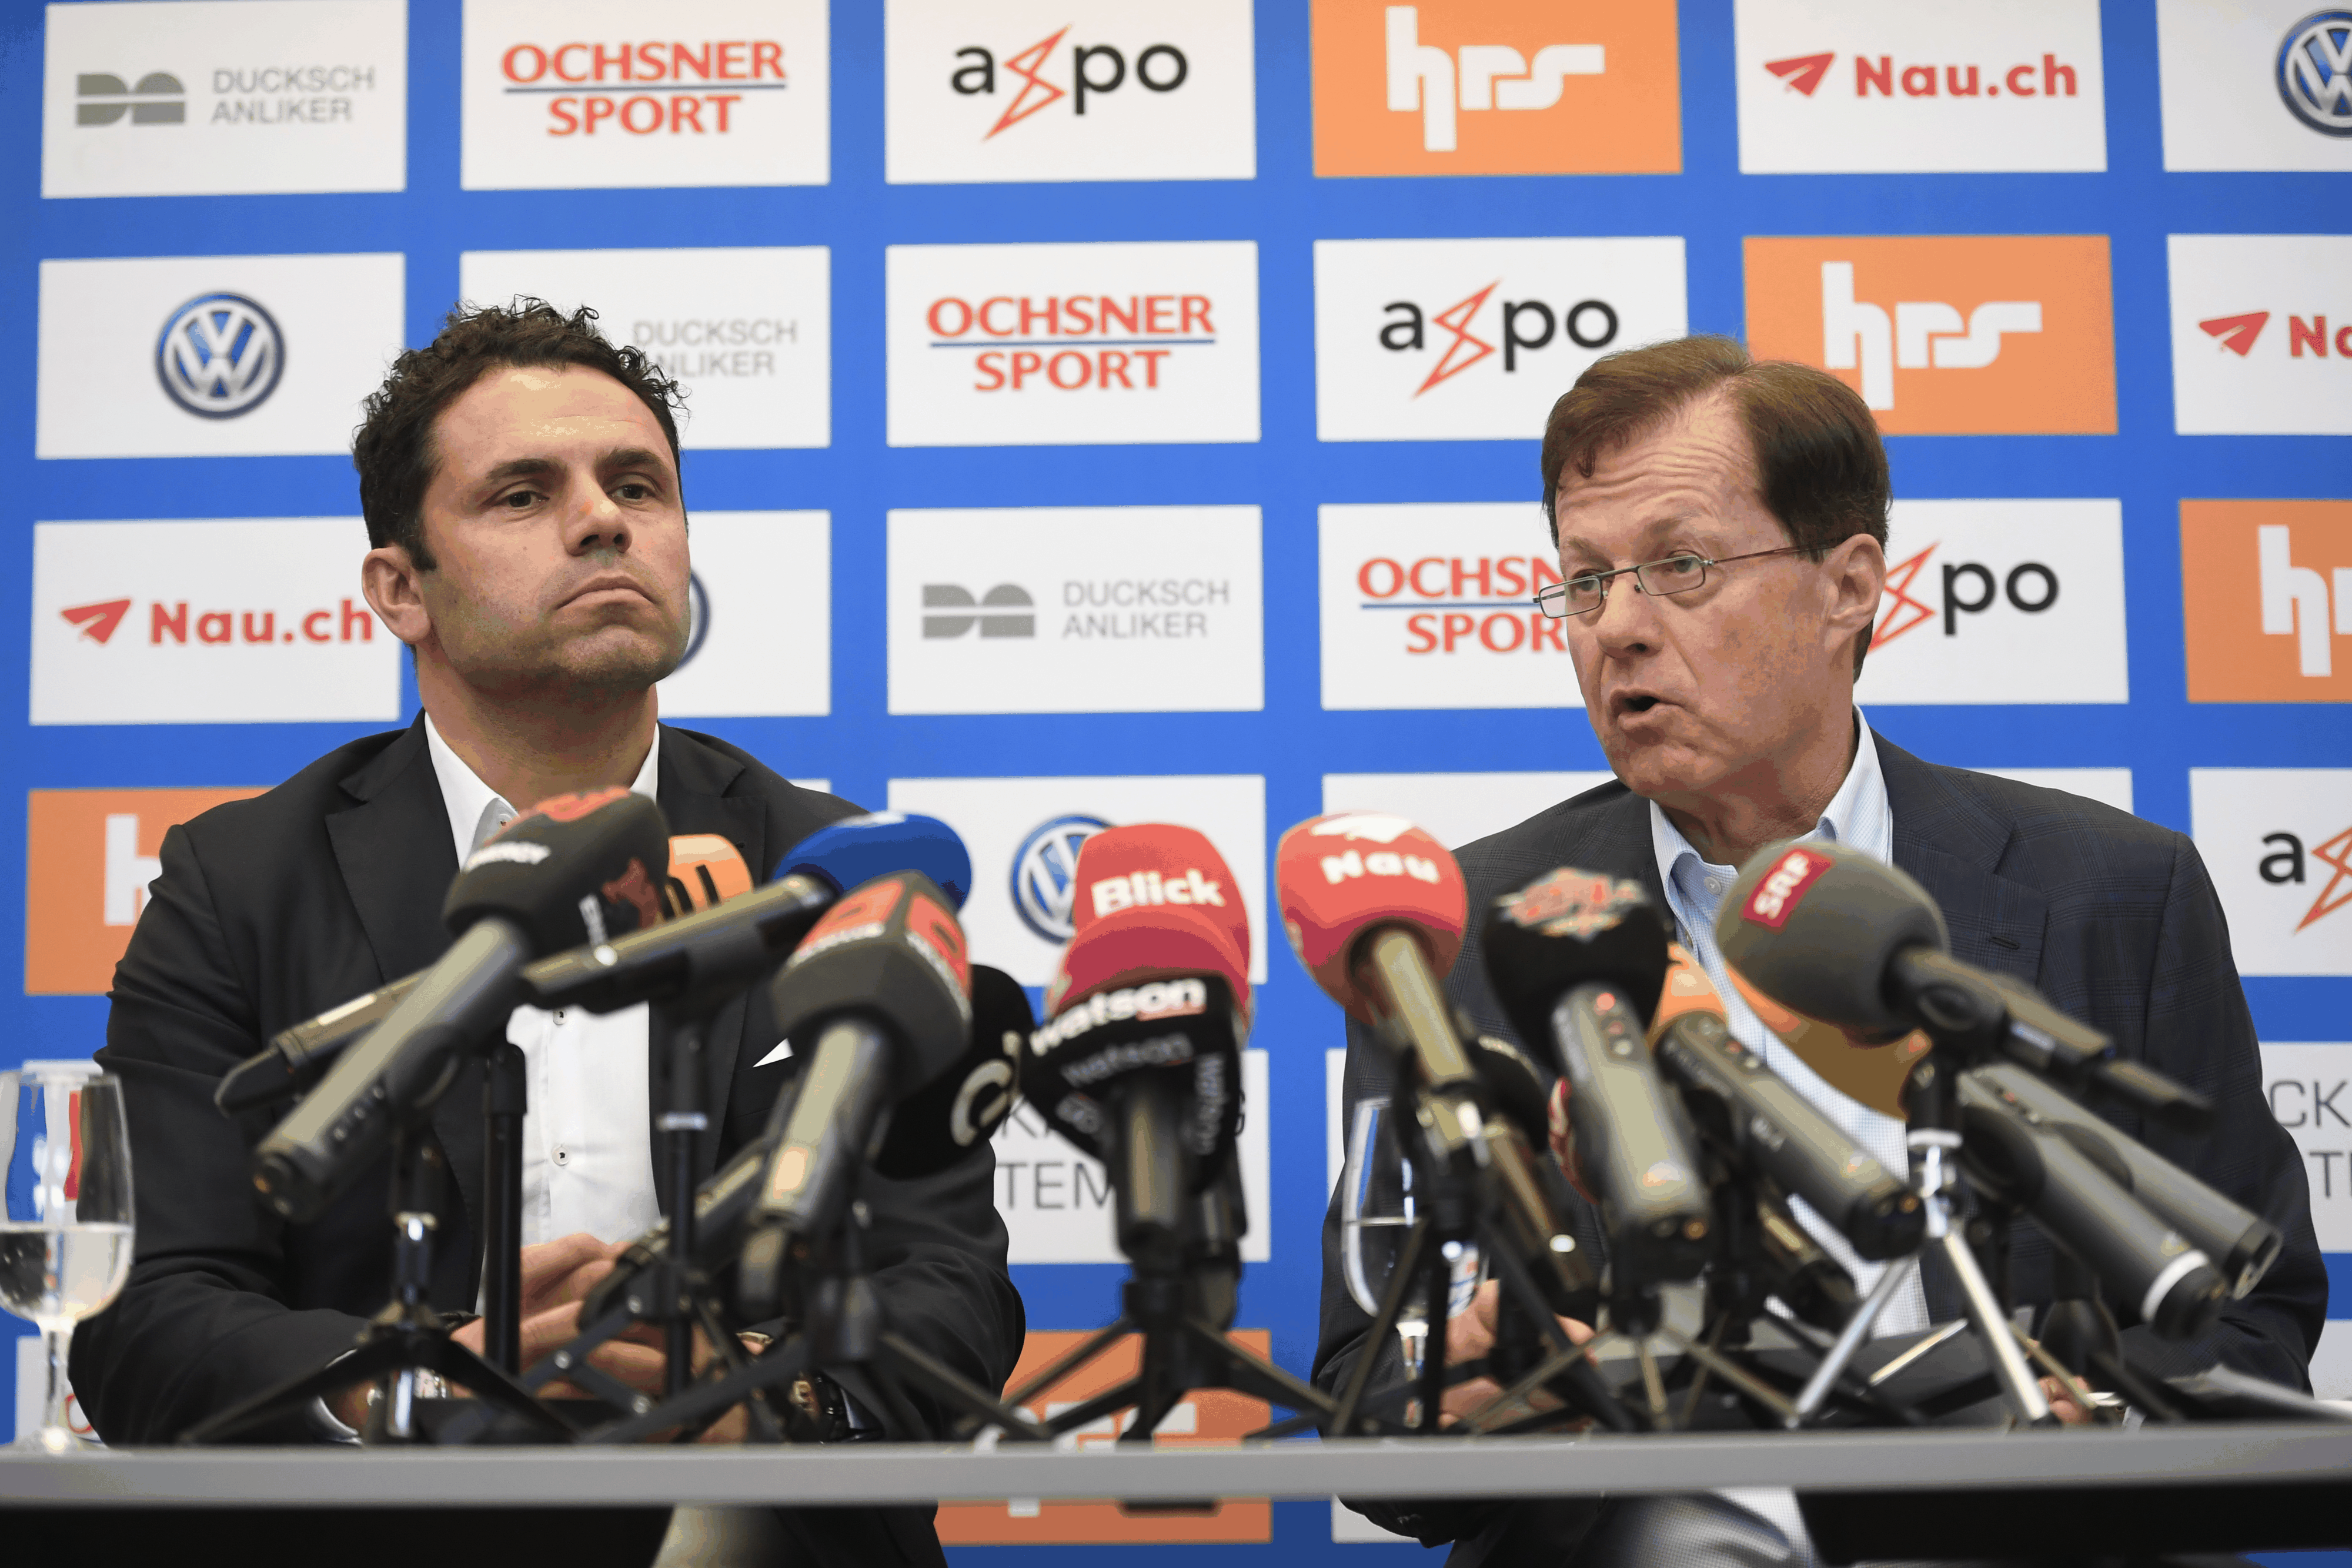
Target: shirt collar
[(1858, 816), (471, 803)]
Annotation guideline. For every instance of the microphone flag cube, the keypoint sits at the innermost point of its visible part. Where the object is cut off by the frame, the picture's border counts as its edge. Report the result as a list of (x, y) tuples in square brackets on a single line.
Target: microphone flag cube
[(1151, 900), (601, 853), (890, 950), (1340, 876)]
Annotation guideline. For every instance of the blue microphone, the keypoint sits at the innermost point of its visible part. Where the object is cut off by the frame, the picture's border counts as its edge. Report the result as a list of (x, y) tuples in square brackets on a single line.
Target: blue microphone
[(854, 851)]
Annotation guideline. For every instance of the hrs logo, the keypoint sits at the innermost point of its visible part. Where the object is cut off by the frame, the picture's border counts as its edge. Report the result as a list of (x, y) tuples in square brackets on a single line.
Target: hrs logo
[(1040, 89)]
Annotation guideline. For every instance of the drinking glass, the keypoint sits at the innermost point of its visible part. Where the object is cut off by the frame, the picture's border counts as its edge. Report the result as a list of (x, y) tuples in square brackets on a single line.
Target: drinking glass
[(65, 1237), (1377, 1209)]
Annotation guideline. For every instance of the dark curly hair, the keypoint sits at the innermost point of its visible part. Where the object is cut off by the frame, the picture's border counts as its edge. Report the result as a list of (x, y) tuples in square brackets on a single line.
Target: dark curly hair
[(392, 448)]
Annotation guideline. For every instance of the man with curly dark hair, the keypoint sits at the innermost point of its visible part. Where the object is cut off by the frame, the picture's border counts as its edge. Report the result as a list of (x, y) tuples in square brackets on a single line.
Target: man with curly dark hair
[(519, 476)]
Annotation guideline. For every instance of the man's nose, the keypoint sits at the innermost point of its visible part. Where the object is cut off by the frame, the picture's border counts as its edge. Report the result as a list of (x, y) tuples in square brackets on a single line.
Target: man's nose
[(597, 523), (1627, 620)]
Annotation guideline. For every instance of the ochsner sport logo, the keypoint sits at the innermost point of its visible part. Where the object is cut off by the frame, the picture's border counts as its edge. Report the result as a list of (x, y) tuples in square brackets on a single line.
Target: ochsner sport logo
[(1064, 344)]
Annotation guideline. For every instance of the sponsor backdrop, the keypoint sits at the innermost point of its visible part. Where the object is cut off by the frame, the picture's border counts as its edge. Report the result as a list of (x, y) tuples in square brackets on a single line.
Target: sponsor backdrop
[(1128, 410)]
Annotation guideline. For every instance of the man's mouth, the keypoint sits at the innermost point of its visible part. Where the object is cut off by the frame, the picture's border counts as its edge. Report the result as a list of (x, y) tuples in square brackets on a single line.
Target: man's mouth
[(1631, 703)]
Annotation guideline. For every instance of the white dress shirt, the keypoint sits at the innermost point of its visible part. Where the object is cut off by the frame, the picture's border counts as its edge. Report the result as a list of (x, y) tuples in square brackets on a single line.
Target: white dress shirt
[(1859, 818), (587, 1161)]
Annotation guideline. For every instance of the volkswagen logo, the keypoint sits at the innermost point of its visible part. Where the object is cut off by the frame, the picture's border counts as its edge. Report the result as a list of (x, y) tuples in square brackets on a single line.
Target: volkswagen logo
[(1044, 875), (2315, 72), (698, 619), (220, 356)]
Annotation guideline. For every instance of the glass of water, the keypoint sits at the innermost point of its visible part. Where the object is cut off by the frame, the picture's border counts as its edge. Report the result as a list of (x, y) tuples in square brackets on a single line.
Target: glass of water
[(1377, 1209), (65, 1237)]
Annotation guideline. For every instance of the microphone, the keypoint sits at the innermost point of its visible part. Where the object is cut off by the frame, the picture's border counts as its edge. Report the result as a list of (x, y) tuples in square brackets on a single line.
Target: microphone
[(1759, 1120), (712, 954), (1838, 936), (942, 1123), (929, 1132), (1579, 959), (1518, 1091), (704, 869), (573, 866), (2242, 1244), (1374, 907), (884, 983), (1139, 1063), (2079, 1192), (1809, 1282)]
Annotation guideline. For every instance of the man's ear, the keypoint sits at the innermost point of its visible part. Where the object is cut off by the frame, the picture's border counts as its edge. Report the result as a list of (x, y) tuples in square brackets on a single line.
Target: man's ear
[(389, 579), (1855, 578)]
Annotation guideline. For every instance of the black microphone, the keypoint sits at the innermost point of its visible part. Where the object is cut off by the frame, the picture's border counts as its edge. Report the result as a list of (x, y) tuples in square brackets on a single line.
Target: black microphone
[(2242, 1243), (883, 983), (1529, 1188), (575, 866), (704, 869), (1809, 1282), (1578, 959), (931, 1131), (1838, 936), (2079, 1193)]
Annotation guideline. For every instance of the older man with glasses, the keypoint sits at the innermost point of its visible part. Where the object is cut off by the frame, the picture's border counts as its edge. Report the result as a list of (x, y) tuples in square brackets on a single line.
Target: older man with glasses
[(1721, 526)]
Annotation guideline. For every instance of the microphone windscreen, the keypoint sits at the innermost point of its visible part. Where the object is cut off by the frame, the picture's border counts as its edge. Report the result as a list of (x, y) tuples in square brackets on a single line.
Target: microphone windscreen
[(1570, 929), (1150, 900), (856, 850), (705, 869), (1875, 1075), (890, 950), (1184, 1030), (1815, 926), (1516, 1085), (942, 1123), (1340, 876), (1687, 990), (574, 869)]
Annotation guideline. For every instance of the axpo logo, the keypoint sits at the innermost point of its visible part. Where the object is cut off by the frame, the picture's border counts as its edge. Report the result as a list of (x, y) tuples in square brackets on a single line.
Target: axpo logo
[(220, 355), (1044, 875), (2315, 72), (1968, 588), (2289, 863), (1523, 326), (1035, 76)]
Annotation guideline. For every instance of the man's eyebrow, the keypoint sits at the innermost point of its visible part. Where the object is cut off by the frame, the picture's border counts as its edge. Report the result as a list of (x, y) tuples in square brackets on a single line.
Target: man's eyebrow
[(633, 457), (521, 468)]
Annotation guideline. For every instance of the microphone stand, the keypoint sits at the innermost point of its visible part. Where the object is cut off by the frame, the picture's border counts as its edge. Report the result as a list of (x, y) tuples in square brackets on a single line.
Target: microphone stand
[(505, 1097), (404, 1339), (682, 1126), (1933, 1105)]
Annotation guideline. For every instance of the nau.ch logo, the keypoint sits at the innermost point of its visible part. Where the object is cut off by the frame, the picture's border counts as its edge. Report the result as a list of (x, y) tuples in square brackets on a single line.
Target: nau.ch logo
[(2315, 72), (949, 610), (220, 356)]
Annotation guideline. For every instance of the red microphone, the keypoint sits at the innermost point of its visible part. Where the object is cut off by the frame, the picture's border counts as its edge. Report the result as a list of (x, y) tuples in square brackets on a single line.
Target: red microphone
[(1151, 900), (1375, 908)]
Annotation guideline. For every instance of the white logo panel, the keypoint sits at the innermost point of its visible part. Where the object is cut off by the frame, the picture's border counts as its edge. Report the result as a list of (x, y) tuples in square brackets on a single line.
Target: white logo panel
[(218, 97), (1049, 345), (2262, 334), (1076, 609), (1432, 607), (2255, 85), (1457, 808), (2278, 844), (1023, 835), (984, 90), (1474, 339), (2309, 1087), (2107, 785), (586, 94), (748, 330), (212, 356), (1057, 1202), (2001, 602), (1829, 86), (762, 639), (245, 621)]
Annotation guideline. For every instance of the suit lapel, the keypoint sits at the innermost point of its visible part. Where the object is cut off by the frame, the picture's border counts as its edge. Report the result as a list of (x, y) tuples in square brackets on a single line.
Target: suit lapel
[(392, 847), (693, 792)]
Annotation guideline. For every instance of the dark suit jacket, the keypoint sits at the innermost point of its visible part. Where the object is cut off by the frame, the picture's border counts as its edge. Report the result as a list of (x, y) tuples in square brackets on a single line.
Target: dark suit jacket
[(2113, 918), (269, 911)]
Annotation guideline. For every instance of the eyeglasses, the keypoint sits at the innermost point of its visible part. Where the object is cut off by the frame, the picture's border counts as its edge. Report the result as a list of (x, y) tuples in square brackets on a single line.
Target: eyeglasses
[(1587, 591)]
